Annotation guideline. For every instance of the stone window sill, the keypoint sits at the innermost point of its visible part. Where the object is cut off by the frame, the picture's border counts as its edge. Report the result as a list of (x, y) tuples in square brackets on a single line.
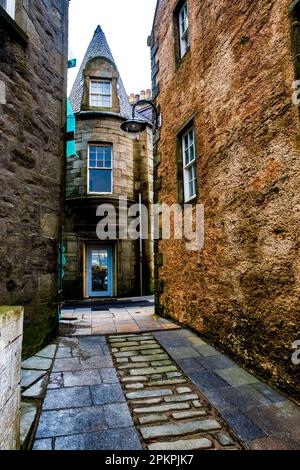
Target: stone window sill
[(13, 26)]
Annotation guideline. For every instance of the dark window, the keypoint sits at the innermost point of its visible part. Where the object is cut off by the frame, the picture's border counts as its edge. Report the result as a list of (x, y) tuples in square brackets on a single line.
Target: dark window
[(181, 30), (100, 166)]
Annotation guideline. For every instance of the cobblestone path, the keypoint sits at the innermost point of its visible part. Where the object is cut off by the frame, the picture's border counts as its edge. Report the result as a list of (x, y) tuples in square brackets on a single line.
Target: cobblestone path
[(162, 390), (167, 410)]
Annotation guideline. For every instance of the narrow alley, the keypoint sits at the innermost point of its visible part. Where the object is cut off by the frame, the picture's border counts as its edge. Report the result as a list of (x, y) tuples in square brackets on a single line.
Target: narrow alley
[(149, 228), (156, 387)]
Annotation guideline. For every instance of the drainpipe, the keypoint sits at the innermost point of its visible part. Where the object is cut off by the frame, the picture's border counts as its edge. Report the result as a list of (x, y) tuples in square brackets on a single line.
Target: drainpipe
[(141, 245)]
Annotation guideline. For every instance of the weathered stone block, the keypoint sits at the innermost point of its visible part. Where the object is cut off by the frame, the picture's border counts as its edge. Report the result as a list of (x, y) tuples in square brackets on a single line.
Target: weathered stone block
[(179, 429)]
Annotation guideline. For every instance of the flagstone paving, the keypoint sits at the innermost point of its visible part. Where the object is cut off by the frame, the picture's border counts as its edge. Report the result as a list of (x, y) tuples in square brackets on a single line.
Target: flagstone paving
[(111, 319), (160, 390), (34, 377), (168, 410), (84, 406)]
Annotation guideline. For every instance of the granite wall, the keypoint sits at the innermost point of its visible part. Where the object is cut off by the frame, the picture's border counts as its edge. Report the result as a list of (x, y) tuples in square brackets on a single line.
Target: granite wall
[(33, 77)]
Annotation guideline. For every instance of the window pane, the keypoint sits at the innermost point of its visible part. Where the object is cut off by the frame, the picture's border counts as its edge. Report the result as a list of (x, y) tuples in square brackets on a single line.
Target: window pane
[(100, 153), (100, 181), (192, 153), (100, 156), (192, 189), (186, 142), (105, 101), (190, 182), (191, 173), (95, 100), (105, 88), (183, 29), (187, 157), (100, 270), (95, 87), (100, 163), (107, 152)]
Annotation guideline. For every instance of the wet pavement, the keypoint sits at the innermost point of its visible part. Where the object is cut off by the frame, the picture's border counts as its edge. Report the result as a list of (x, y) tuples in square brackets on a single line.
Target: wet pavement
[(160, 389), (112, 317)]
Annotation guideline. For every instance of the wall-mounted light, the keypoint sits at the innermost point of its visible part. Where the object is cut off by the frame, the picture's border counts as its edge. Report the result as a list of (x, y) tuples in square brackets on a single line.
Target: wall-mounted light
[(135, 126)]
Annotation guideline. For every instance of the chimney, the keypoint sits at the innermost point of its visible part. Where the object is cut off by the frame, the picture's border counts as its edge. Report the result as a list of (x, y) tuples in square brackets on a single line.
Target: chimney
[(132, 98), (148, 94), (143, 95)]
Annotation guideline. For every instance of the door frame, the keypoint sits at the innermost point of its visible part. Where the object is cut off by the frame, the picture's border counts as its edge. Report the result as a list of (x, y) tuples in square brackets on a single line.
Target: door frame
[(88, 247)]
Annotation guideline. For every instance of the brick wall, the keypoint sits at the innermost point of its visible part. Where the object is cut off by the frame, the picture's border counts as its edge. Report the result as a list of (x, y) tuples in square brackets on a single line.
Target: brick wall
[(33, 71), (11, 327), (242, 290)]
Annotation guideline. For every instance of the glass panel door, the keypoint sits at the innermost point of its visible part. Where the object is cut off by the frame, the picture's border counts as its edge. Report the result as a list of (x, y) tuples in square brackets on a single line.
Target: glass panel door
[(99, 272)]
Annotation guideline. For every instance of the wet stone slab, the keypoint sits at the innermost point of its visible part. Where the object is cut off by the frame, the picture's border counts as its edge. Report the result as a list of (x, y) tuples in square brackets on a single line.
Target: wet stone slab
[(67, 398), (165, 404), (47, 352), (37, 363), (81, 377), (29, 377), (179, 429), (108, 439), (70, 421), (106, 393), (36, 390)]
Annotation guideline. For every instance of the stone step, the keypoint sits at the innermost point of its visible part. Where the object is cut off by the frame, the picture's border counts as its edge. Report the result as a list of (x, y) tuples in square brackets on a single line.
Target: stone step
[(154, 383), (152, 370), (184, 397), (178, 429), (149, 393), (27, 418), (150, 401), (138, 348), (152, 418), (188, 414), (183, 444), (162, 408)]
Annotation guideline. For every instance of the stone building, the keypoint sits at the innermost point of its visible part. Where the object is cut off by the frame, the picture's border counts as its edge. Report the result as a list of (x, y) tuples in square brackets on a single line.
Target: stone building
[(108, 165), (33, 78), (222, 77)]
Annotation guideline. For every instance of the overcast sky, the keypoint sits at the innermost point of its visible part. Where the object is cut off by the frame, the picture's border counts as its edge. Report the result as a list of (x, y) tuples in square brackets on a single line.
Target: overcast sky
[(126, 24)]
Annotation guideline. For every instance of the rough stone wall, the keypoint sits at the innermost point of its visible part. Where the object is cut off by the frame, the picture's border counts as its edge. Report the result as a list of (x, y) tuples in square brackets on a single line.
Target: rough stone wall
[(242, 290), (11, 327), (32, 118)]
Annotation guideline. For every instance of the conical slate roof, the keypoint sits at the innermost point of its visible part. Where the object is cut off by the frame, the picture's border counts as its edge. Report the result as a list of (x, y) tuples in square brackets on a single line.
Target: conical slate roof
[(98, 48)]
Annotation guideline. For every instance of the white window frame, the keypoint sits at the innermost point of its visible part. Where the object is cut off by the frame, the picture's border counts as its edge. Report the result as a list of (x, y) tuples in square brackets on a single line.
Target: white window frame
[(10, 7), (190, 165), (101, 94), (100, 169), (184, 30)]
